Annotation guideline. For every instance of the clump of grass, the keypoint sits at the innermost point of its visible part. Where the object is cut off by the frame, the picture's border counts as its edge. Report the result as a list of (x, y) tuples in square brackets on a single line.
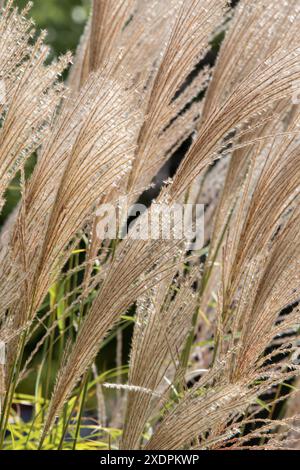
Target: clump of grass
[(213, 362)]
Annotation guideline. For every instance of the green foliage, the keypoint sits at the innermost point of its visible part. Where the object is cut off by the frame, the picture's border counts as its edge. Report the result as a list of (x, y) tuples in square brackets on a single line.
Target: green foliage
[(64, 21), (25, 434)]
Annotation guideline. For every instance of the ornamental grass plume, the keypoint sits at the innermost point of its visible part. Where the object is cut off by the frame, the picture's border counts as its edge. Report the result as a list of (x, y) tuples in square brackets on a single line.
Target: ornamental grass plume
[(213, 333)]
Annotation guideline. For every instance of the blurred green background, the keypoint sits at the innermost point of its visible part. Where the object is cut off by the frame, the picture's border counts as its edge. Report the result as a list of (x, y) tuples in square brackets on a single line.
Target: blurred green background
[(63, 19)]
